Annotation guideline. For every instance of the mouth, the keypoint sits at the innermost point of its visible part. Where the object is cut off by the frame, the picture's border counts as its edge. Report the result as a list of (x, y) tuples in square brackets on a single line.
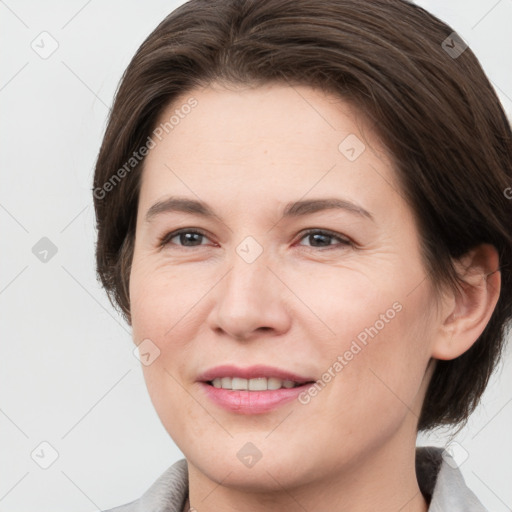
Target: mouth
[(255, 384), (254, 390)]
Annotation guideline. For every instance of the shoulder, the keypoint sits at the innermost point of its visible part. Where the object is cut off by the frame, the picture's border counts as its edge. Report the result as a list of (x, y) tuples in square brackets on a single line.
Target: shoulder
[(167, 494), (441, 482)]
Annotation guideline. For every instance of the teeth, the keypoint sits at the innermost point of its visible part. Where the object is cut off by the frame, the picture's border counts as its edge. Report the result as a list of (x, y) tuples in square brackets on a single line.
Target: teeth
[(274, 383), (257, 384), (237, 383)]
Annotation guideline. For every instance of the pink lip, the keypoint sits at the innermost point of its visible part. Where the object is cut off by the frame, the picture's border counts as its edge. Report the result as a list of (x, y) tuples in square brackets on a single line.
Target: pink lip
[(251, 402)]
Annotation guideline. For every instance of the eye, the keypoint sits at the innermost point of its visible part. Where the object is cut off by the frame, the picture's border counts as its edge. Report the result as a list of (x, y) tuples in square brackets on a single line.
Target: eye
[(324, 238), (185, 237), (193, 238)]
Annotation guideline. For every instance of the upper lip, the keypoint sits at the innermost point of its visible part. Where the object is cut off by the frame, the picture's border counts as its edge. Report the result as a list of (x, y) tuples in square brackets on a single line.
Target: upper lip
[(251, 372)]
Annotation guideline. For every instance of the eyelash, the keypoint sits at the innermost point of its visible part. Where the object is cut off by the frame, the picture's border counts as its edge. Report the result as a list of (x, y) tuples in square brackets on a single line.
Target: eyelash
[(344, 242)]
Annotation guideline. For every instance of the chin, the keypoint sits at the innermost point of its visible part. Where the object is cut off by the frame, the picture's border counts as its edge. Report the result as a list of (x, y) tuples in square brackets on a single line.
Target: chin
[(264, 476)]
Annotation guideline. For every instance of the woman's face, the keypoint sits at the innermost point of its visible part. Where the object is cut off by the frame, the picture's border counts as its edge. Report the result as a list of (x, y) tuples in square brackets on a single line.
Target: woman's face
[(347, 306)]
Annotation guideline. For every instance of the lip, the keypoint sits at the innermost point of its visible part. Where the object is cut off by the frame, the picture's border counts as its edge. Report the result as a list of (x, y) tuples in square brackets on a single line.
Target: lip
[(252, 402), (252, 372)]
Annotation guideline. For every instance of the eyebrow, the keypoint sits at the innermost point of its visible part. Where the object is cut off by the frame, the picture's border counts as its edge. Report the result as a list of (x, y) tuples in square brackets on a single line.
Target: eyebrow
[(292, 209)]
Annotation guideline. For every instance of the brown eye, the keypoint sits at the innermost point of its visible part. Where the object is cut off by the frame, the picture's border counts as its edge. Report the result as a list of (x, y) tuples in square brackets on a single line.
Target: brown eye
[(324, 238), (184, 238)]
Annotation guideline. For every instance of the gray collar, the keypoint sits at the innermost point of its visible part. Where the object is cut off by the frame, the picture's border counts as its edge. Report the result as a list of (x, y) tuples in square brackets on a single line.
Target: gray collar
[(442, 483), (439, 479)]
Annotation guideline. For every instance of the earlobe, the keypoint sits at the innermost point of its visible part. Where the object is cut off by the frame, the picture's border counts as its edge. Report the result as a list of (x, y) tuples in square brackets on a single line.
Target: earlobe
[(468, 310)]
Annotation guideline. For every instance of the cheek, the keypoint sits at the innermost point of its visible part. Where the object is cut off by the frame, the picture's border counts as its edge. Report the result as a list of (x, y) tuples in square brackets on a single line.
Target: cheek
[(379, 364), (374, 363), (162, 300), (159, 308)]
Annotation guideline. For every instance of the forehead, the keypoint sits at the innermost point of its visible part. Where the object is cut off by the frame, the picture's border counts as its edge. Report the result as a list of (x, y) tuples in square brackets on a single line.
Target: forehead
[(251, 143), (269, 114)]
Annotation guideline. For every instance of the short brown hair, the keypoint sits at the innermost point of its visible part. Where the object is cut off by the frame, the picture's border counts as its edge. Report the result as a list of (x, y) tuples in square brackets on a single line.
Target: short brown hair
[(434, 109)]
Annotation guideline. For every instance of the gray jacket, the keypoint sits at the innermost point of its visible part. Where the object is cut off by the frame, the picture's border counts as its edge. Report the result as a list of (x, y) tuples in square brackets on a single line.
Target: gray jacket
[(439, 479)]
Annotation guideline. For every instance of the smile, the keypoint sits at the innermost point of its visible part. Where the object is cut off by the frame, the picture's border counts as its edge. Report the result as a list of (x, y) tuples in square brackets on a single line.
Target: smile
[(256, 384)]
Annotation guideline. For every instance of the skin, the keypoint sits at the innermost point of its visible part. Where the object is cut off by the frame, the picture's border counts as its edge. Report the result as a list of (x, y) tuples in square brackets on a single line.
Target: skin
[(247, 152)]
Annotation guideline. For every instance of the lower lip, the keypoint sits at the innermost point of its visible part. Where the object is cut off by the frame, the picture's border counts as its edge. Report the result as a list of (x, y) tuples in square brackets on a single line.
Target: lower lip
[(252, 402)]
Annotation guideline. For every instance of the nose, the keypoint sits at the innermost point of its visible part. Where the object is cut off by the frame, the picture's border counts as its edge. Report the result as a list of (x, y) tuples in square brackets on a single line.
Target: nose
[(250, 301)]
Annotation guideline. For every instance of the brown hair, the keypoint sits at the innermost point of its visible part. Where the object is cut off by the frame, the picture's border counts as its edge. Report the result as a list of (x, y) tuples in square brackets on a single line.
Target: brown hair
[(433, 108)]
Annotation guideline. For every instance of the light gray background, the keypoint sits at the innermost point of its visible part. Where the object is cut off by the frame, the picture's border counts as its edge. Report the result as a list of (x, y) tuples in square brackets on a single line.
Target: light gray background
[(68, 374)]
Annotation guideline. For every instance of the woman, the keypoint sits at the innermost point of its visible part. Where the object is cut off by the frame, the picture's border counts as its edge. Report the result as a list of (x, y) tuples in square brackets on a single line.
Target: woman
[(302, 213)]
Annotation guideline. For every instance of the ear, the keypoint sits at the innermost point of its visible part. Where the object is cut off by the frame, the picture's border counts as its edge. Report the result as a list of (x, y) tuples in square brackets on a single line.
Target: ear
[(466, 312)]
